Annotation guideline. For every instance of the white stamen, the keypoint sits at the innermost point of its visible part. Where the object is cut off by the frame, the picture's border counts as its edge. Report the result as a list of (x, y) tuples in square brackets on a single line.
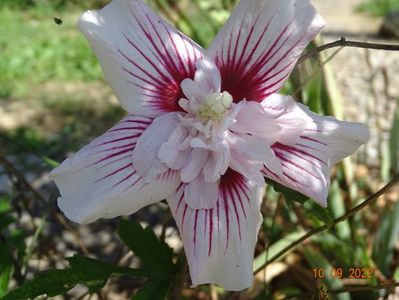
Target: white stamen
[(215, 106)]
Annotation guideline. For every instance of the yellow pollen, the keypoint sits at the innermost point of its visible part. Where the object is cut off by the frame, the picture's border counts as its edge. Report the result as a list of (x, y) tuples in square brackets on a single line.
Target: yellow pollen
[(215, 106)]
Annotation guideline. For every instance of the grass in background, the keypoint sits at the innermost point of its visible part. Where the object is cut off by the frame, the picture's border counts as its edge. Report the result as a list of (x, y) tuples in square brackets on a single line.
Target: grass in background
[(35, 49), (379, 7)]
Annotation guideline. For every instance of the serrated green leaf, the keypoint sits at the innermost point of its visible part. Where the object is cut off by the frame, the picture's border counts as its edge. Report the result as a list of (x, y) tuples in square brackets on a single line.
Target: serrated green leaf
[(154, 289), (83, 270), (155, 255)]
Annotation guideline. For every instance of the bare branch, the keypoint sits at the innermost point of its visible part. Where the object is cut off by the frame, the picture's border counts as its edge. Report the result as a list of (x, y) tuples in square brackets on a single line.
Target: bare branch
[(317, 230), (344, 43)]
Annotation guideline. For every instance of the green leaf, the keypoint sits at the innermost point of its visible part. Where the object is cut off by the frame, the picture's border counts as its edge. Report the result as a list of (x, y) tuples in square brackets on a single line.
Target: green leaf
[(289, 194), (5, 205), (312, 92), (155, 255), (394, 144), (6, 267), (337, 206), (322, 214), (384, 243), (336, 249), (154, 288), (317, 261), (276, 248), (396, 275), (83, 270), (5, 276), (50, 162)]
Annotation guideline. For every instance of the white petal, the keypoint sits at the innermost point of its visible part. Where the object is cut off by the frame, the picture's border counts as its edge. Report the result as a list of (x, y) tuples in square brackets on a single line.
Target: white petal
[(291, 120), (170, 152), (219, 242), (208, 75), (343, 138), (217, 163), (305, 171), (100, 180), (253, 119), (249, 169), (277, 118), (201, 194), (307, 164), (206, 81), (256, 148), (143, 57), (194, 164), (259, 45), (194, 93), (145, 155)]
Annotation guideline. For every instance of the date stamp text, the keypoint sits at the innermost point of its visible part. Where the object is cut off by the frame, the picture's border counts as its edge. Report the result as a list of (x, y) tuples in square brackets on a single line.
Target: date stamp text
[(337, 272)]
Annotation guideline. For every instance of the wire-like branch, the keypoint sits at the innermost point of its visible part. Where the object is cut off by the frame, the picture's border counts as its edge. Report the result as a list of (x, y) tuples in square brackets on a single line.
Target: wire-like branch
[(14, 171), (317, 230), (11, 169), (344, 43)]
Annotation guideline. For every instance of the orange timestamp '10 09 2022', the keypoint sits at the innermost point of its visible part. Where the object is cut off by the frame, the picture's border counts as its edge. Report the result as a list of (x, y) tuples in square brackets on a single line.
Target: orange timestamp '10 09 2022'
[(337, 272)]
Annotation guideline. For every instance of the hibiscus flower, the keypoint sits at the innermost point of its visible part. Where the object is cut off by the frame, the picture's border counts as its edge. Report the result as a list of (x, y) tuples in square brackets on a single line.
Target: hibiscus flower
[(204, 129)]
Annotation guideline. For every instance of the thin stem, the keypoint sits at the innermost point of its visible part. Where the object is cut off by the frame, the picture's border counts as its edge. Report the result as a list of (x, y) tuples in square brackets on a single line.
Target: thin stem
[(350, 213), (279, 203), (21, 178), (316, 72), (344, 43)]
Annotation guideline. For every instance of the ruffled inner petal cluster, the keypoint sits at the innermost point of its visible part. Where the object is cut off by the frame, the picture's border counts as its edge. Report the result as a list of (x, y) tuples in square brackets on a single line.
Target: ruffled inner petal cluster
[(202, 146)]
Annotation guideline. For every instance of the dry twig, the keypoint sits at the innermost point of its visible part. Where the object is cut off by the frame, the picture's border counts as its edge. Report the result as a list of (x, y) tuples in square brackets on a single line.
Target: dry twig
[(344, 43)]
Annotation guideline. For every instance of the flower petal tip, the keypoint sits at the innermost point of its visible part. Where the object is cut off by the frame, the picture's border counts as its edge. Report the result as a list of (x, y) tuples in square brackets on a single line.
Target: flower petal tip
[(322, 202), (89, 18), (74, 215)]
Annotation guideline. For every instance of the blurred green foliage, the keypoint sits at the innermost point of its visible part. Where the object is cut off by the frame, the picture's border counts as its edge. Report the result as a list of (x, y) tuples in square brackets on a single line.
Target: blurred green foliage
[(52, 3), (34, 49), (379, 7)]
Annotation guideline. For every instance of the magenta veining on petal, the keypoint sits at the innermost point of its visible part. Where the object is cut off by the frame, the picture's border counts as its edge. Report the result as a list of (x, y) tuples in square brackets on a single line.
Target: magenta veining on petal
[(204, 129)]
